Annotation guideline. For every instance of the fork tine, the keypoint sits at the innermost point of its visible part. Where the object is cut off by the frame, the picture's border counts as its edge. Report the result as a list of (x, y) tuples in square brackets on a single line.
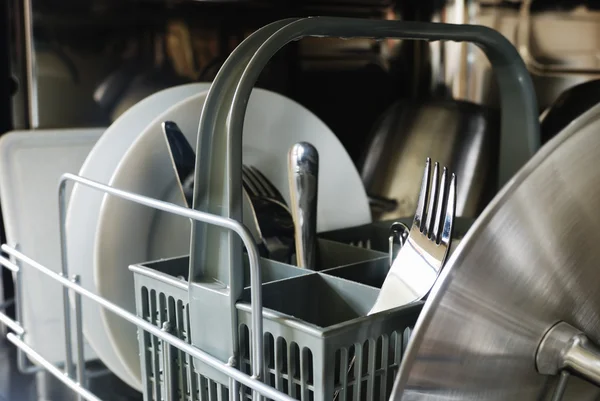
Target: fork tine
[(267, 184), (432, 201), (440, 206), (419, 214), (450, 212), (248, 182), (256, 181)]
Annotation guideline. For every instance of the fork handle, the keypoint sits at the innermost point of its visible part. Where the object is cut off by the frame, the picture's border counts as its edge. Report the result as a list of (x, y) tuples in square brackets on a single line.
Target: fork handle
[(303, 172)]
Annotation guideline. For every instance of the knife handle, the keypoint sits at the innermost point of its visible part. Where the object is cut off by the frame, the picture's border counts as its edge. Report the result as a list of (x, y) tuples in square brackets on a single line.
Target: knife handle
[(303, 172)]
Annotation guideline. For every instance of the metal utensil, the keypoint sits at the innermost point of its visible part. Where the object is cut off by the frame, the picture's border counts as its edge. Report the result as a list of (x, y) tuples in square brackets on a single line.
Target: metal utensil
[(529, 262), (423, 251), (259, 184), (271, 215), (422, 256), (273, 227), (303, 174)]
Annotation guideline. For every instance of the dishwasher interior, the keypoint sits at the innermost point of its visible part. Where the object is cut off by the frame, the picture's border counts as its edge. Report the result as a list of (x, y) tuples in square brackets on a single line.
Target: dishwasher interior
[(75, 69)]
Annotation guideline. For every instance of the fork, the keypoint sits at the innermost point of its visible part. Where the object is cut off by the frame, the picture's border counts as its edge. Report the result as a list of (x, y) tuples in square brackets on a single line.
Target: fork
[(422, 256), (258, 184), (273, 225), (271, 215), (424, 251)]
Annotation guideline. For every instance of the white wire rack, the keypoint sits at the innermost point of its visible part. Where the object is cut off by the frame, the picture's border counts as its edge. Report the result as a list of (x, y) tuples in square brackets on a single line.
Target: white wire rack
[(72, 373)]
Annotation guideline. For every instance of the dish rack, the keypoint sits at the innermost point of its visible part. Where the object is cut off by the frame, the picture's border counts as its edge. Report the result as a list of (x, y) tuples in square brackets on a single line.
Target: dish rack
[(224, 323)]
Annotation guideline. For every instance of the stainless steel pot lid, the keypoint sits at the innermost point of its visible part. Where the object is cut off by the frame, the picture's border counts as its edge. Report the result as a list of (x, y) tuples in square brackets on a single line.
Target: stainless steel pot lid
[(531, 260)]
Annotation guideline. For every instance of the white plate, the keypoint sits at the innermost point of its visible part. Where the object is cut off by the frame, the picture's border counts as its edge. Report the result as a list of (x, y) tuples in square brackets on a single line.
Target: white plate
[(31, 164), (129, 233), (84, 207)]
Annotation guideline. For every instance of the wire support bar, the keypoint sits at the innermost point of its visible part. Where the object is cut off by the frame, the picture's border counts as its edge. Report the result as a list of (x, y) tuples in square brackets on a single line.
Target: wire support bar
[(230, 371), (194, 215), (59, 374)]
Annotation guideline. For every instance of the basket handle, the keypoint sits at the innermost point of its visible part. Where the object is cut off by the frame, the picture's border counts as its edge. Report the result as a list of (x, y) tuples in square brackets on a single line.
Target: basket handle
[(219, 162), (212, 306)]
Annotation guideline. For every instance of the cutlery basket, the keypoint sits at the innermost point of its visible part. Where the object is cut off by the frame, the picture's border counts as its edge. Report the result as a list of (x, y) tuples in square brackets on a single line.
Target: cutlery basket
[(314, 324)]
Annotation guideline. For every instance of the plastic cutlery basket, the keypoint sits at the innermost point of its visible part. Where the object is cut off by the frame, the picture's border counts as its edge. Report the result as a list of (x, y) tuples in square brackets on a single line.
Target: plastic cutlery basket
[(312, 323)]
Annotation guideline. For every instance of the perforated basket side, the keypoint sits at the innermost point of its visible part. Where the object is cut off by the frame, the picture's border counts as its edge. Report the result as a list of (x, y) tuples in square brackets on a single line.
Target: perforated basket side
[(310, 362), (291, 369), (162, 300)]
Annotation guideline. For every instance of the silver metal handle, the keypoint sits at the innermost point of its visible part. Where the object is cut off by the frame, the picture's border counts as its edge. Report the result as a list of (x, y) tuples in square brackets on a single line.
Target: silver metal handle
[(566, 348), (303, 173)]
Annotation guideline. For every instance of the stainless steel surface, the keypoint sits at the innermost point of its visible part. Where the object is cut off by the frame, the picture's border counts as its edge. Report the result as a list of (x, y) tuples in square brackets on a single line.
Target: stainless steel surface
[(452, 62), (420, 260), (30, 61), (550, 355), (303, 175), (558, 45), (564, 348), (528, 262), (460, 135), (582, 54), (273, 221), (398, 231), (582, 357)]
